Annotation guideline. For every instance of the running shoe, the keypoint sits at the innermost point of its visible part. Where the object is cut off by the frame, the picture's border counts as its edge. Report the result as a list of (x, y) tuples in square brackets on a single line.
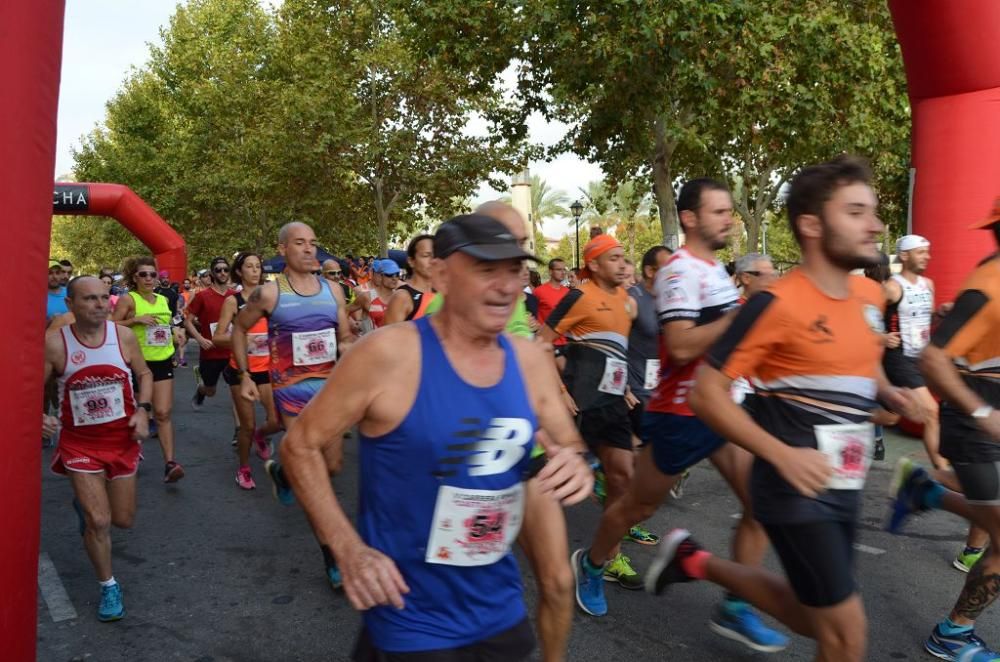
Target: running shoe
[(333, 576), (666, 568), (264, 450), (111, 608), (964, 562), (589, 588), (906, 493), (741, 623), (677, 491), (620, 570), (236, 439), (961, 647), (245, 479), (172, 472), (879, 454), (642, 535), (198, 400), (281, 490), (81, 523), (600, 485)]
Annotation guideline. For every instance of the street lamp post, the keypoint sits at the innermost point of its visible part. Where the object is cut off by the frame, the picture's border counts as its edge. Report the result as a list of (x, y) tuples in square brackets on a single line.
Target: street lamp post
[(577, 209)]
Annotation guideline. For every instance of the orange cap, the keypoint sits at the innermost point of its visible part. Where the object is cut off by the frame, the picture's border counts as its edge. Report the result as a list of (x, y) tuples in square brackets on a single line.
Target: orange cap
[(987, 222), (595, 248)]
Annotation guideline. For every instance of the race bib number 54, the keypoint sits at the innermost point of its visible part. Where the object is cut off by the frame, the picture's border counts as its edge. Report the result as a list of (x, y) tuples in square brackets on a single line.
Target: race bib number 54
[(474, 527)]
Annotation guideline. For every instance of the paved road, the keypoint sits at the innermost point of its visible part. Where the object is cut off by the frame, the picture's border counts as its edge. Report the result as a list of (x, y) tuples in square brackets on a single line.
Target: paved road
[(215, 574)]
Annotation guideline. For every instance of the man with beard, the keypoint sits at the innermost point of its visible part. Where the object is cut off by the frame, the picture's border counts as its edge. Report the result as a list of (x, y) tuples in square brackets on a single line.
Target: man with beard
[(813, 343), (200, 321), (696, 302)]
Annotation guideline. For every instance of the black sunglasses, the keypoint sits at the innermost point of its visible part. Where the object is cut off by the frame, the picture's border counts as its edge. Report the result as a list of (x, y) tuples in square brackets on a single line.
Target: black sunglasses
[(334, 273), (221, 270), (146, 274)]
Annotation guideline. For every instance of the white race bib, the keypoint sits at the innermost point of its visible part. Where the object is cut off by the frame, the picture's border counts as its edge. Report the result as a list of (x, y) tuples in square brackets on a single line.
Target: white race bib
[(101, 403), (312, 347), (652, 379), (615, 377), (918, 336), (158, 335), (257, 344), (849, 448), (474, 527), (739, 389)]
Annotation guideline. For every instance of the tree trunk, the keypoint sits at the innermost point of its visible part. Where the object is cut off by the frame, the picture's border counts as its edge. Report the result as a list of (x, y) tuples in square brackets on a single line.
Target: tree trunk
[(663, 189), (382, 214)]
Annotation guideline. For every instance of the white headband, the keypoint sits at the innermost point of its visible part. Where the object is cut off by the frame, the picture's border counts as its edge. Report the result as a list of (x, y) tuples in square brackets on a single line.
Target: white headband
[(911, 241)]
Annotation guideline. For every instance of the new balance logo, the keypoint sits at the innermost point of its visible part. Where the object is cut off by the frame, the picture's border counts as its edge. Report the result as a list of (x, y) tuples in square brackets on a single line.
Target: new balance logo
[(498, 448)]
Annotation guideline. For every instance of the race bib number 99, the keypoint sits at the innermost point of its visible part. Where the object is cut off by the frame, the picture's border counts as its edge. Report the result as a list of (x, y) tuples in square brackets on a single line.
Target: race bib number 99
[(97, 404), (474, 527)]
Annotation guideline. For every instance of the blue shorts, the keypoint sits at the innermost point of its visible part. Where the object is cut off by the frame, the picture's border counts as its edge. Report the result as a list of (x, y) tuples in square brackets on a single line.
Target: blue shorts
[(290, 400), (678, 442)]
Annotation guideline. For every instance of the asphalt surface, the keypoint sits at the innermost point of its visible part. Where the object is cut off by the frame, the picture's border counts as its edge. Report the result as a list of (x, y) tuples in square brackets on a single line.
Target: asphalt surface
[(211, 573)]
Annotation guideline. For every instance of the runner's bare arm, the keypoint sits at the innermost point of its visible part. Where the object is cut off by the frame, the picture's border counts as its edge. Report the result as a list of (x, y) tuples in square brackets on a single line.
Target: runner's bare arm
[(345, 334), (370, 578), (124, 312), (260, 303), (137, 362), (565, 475), (399, 308), (55, 362), (806, 469), (893, 292), (192, 329), (944, 379), (223, 334), (685, 341)]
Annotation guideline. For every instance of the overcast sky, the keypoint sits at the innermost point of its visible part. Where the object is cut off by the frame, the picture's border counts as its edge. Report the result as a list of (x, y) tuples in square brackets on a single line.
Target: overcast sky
[(105, 38)]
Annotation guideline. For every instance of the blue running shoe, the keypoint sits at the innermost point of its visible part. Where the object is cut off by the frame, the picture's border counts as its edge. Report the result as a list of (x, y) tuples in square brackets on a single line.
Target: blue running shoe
[(961, 647), (112, 608), (81, 523), (589, 588), (281, 490), (333, 576), (906, 493), (739, 622)]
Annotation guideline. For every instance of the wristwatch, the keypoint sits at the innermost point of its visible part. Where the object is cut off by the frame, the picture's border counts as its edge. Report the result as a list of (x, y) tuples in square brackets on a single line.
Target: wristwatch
[(145, 405), (982, 412)]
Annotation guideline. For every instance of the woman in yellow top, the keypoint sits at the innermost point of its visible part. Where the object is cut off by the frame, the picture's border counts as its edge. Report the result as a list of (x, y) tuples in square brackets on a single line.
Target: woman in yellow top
[(148, 315)]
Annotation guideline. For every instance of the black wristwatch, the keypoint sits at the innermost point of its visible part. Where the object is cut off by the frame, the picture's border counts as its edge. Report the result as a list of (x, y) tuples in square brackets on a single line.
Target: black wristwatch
[(145, 405)]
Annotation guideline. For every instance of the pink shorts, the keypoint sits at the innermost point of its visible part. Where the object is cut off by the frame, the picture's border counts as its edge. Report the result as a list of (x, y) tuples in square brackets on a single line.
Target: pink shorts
[(115, 462)]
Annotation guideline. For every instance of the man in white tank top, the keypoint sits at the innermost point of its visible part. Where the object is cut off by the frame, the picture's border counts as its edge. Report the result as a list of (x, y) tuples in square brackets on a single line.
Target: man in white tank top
[(102, 420)]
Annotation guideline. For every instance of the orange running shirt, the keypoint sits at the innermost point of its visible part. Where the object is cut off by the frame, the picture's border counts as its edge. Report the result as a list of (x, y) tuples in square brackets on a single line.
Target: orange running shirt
[(815, 360)]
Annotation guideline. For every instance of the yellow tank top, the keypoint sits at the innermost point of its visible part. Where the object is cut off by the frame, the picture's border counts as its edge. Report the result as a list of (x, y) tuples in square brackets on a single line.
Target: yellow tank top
[(156, 342)]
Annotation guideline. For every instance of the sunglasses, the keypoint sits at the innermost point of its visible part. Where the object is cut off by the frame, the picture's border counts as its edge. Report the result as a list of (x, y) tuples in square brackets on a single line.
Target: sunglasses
[(221, 270), (146, 274), (334, 273)]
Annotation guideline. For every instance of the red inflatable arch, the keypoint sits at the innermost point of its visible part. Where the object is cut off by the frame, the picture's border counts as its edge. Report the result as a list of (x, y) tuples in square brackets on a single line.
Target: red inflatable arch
[(120, 203), (953, 75)]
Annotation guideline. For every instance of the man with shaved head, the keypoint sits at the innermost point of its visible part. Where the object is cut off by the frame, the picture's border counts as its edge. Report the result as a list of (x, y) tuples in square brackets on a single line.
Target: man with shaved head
[(307, 328), (102, 418)]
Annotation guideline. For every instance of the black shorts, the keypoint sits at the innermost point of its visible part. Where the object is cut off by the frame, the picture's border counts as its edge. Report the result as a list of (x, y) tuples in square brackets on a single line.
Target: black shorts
[(902, 371), (818, 558), (162, 370), (606, 426), (210, 370), (635, 415), (508, 646), (963, 441), (980, 482), (259, 378)]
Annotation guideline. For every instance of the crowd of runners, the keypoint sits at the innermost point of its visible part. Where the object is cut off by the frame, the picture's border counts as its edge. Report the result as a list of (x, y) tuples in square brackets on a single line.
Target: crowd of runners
[(483, 403)]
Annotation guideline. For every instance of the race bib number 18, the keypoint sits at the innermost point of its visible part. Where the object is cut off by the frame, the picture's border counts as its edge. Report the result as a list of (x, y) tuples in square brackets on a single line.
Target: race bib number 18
[(849, 449), (474, 527)]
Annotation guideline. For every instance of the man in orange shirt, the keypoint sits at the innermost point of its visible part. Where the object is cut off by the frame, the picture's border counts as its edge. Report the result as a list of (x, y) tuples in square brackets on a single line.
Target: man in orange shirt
[(813, 344)]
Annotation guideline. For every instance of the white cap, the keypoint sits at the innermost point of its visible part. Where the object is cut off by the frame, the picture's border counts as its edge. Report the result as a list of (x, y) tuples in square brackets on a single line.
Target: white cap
[(911, 241)]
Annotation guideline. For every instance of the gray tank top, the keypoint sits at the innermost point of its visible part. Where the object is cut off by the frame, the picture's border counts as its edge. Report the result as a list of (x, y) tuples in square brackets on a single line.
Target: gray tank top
[(643, 341)]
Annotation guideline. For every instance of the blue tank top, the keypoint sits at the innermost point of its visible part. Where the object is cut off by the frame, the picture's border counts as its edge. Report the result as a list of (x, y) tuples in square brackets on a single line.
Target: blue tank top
[(299, 335), (455, 435)]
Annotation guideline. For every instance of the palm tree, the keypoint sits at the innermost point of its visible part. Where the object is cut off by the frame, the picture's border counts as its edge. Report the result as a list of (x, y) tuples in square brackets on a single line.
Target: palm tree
[(546, 202)]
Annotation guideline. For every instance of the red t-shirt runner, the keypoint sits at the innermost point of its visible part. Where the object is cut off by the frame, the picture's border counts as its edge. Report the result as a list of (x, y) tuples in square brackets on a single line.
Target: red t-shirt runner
[(207, 306)]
